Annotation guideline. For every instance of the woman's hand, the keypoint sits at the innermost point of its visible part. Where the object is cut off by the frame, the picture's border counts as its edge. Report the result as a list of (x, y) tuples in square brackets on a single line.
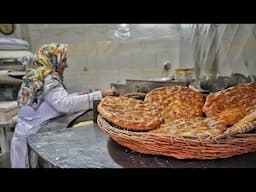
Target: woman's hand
[(109, 92)]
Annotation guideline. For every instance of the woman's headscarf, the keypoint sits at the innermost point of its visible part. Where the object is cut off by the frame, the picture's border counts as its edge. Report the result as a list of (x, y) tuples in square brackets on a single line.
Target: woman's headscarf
[(46, 61)]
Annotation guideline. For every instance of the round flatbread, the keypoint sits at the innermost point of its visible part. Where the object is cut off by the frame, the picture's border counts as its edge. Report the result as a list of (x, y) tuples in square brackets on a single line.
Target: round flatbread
[(129, 113), (232, 104), (199, 127), (176, 102)]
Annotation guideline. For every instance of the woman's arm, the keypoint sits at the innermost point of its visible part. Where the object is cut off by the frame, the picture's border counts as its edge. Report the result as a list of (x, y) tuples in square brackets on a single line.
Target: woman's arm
[(59, 99)]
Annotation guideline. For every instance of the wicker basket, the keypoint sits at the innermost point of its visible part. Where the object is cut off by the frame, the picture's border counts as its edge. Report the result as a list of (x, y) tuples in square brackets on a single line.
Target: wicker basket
[(180, 147)]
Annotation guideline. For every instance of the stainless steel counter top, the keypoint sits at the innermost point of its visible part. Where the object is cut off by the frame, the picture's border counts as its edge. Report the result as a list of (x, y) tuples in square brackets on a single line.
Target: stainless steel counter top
[(89, 147)]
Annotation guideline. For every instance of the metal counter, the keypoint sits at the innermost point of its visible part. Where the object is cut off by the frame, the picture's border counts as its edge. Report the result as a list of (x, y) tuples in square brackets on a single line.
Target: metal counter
[(144, 86), (89, 147)]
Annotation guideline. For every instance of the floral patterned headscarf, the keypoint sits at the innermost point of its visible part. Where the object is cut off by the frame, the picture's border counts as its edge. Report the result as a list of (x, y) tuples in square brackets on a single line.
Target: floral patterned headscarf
[(46, 62)]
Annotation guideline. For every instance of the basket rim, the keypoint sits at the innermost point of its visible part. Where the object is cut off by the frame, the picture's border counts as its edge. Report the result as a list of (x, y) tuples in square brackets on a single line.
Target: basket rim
[(180, 147), (147, 132)]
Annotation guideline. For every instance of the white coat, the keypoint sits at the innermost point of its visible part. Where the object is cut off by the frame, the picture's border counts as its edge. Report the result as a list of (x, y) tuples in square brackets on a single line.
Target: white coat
[(56, 102)]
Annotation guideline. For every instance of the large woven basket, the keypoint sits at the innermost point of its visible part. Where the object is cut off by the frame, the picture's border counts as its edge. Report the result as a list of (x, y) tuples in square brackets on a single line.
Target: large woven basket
[(180, 147)]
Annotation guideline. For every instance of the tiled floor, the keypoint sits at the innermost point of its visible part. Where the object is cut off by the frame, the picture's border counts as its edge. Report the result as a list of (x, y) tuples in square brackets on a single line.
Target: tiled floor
[(5, 161)]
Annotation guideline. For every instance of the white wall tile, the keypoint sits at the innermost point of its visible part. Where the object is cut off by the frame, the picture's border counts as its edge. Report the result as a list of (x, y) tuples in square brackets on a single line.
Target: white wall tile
[(98, 63), (120, 62), (142, 60), (91, 46)]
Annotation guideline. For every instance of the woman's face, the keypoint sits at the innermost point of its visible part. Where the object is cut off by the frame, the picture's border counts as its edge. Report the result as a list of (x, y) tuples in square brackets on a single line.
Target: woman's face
[(62, 66)]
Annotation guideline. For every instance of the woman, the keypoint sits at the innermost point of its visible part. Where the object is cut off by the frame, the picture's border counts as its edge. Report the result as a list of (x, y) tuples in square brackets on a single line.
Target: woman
[(43, 96)]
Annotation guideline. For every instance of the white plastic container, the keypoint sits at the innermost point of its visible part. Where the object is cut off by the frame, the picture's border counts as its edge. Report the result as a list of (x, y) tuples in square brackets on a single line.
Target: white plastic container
[(184, 74)]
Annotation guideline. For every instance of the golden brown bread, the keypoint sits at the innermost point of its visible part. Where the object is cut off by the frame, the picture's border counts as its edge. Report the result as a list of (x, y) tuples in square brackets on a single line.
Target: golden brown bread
[(193, 127), (176, 102), (246, 124), (129, 113), (232, 104)]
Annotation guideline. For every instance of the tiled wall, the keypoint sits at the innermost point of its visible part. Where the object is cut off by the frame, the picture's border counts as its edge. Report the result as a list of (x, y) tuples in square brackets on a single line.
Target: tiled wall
[(97, 58)]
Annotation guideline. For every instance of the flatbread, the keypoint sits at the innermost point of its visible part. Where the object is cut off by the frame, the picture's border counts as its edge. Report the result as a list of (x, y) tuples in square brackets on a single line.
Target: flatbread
[(193, 127), (129, 113), (232, 104), (176, 102)]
